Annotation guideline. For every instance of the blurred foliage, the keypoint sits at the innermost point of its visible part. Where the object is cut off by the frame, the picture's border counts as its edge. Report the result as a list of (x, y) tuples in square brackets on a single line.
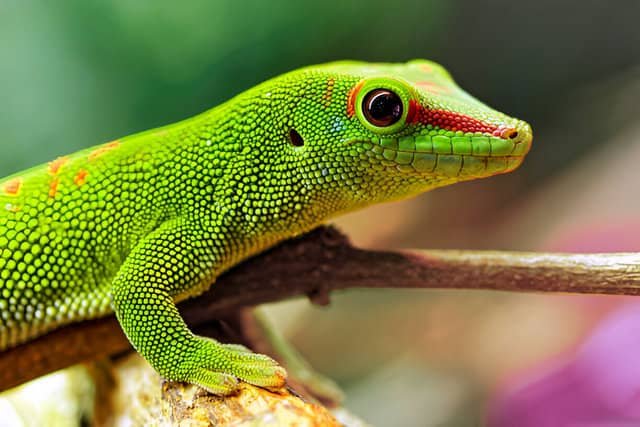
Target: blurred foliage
[(78, 73), (61, 399)]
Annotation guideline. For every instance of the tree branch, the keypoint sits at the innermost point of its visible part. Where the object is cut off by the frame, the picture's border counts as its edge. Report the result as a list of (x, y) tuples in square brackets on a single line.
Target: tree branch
[(323, 261)]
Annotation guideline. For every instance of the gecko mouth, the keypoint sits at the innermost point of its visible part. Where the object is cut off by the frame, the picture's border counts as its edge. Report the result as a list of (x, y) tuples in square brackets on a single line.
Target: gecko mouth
[(451, 156)]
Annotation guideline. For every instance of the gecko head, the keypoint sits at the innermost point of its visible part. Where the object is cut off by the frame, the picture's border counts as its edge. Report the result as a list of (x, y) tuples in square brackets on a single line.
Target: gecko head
[(407, 128), (361, 133)]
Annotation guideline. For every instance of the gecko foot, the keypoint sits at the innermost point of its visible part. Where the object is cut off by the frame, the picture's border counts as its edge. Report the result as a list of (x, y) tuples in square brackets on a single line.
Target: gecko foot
[(219, 366)]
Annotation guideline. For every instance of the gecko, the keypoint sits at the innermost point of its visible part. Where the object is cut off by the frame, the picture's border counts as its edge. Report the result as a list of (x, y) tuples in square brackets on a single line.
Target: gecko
[(135, 225)]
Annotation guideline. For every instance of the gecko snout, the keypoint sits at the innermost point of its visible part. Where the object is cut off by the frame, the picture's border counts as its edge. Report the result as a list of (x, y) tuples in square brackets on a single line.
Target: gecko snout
[(521, 135)]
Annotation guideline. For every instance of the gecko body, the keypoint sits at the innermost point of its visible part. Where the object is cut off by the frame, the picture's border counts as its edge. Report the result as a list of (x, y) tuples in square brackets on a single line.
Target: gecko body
[(137, 224)]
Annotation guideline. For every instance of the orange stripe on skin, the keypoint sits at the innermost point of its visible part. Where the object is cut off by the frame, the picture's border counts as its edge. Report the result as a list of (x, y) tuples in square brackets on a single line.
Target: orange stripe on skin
[(329, 93), (351, 100), (81, 177), (56, 165), (426, 68), (104, 149), (53, 187), (433, 87), (12, 188)]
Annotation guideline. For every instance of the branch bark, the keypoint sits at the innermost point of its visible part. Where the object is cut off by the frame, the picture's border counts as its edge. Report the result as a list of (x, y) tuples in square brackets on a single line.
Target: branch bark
[(323, 261)]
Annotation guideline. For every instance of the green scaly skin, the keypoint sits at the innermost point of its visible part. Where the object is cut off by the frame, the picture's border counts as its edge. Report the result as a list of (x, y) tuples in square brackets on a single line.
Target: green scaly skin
[(138, 224)]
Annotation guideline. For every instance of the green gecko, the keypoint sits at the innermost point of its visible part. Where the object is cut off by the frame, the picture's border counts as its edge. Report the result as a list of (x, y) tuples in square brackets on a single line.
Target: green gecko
[(135, 225)]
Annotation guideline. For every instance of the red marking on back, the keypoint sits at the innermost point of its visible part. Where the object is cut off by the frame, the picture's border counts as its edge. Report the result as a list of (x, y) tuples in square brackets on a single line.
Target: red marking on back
[(53, 187), (81, 177), (452, 121), (12, 188), (329, 92), (103, 149), (351, 99), (56, 165)]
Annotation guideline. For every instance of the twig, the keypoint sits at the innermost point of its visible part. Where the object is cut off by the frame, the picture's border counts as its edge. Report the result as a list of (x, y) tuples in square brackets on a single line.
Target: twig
[(323, 261)]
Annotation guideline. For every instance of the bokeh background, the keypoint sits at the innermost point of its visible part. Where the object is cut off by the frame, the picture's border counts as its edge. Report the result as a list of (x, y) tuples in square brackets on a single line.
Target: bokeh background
[(76, 73)]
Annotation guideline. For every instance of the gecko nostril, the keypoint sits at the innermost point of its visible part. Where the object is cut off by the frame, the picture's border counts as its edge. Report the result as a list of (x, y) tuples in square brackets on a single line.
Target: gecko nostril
[(510, 133)]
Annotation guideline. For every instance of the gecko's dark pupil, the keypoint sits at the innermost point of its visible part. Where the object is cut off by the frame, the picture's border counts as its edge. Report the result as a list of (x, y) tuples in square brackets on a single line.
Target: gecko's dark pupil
[(382, 107)]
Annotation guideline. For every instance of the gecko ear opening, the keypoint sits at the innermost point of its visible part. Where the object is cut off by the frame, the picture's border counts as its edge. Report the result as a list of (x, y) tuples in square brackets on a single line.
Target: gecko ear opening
[(295, 138)]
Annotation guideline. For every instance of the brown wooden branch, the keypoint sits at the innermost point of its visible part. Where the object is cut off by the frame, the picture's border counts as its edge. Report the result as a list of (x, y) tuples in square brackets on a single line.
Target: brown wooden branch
[(323, 261), (131, 390)]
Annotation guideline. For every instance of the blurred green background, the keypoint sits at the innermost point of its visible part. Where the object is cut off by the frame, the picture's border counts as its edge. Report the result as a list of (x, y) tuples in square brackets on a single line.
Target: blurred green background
[(77, 73)]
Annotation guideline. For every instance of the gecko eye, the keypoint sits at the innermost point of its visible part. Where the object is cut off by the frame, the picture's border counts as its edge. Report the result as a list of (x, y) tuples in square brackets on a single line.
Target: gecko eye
[(382, 107)]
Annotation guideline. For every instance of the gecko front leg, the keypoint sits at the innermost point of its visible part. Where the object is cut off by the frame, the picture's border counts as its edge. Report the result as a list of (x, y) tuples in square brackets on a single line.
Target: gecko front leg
[(163, 265)]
